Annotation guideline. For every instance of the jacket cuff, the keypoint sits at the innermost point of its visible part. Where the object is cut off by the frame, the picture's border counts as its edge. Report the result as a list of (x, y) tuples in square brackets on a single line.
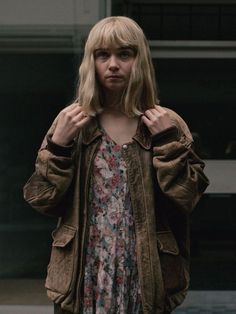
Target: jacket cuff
[(169, 135), (59, 150)]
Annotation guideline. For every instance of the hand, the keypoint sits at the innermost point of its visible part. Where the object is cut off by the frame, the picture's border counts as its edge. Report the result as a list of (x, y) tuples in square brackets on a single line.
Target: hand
[(157, 120), (70, 121)]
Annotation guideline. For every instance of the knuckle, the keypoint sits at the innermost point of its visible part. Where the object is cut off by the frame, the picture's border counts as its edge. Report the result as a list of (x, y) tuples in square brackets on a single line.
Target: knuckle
[(63, 112), (156, 119), (73, 120), (165, 114), (69, 115)]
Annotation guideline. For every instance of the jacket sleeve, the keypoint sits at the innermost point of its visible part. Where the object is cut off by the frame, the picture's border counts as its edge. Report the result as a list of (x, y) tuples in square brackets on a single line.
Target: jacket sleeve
[(54, 171), (179, 170)]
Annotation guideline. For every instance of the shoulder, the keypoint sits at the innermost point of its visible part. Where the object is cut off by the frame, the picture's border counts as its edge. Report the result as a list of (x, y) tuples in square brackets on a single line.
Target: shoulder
[(179, 122)]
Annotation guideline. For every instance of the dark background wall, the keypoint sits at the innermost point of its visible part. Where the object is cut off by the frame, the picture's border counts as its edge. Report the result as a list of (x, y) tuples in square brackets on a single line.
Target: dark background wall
[(33, 89), (202, 91)]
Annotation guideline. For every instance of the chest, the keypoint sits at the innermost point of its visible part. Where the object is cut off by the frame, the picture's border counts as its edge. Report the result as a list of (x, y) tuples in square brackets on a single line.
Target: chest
[(120, 131)]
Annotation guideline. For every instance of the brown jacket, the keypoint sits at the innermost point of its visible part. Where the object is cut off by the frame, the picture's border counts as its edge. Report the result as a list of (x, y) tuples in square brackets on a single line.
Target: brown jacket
[(165, 179)]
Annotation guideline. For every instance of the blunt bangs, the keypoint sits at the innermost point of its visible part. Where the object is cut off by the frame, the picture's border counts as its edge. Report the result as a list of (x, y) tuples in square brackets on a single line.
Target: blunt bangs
[(113, 33)]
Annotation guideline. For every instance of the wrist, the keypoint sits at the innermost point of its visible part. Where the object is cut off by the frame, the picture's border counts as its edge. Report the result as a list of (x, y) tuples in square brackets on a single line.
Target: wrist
[(166, 136), (58, 141), (59, 149)]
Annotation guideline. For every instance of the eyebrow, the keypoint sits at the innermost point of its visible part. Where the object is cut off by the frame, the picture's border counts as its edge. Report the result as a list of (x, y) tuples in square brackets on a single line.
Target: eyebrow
[(120, 48)]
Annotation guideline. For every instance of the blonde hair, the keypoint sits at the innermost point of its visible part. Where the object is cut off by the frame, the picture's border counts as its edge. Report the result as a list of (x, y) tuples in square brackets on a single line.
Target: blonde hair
[(141, 92)]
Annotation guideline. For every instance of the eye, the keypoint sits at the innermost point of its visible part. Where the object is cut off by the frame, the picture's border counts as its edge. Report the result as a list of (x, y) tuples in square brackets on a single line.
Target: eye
[(126, 54), (101, 54)]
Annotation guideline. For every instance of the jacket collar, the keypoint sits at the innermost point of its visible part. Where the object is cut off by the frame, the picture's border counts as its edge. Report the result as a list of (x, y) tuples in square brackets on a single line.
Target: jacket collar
[(93, 131), (143, 136)]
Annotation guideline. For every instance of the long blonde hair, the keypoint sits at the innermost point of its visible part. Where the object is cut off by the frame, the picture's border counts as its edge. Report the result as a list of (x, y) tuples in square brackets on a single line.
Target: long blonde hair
[(141, 92)]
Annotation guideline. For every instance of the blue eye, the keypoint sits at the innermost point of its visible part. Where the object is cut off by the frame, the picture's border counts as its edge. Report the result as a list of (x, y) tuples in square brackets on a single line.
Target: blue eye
[(101, 54), (126, 53)]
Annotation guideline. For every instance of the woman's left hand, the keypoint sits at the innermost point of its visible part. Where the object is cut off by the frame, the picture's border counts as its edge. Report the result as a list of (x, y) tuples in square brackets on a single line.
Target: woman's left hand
[(157, 120)]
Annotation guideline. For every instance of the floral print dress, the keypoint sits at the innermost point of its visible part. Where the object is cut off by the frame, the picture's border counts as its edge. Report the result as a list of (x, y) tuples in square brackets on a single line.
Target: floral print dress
[(111, 283)]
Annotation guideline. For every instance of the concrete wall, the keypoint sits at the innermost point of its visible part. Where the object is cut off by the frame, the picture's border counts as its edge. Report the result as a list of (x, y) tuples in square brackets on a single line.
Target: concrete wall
[(53, 12), (48, 26)]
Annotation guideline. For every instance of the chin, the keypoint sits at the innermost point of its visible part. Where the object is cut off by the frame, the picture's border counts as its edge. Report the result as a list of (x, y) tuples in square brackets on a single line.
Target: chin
[(118, 89)]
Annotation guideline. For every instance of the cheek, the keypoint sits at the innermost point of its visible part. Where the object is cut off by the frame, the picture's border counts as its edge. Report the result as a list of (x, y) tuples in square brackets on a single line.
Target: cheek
[(98, 75), (129, 68), (99, 72)]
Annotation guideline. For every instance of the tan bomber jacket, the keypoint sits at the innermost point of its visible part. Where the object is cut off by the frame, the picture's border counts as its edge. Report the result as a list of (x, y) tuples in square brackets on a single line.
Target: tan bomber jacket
[(165, 179)]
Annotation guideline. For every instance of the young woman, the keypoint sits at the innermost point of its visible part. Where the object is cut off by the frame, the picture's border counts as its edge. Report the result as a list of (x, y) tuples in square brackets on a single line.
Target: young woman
[(119, 172)]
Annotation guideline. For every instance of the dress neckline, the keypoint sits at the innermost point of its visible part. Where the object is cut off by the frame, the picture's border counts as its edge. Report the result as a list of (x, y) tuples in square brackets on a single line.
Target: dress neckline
[(110, 139)]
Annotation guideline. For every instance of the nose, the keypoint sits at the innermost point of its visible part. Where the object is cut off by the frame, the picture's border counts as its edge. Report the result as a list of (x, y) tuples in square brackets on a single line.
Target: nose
[(113, 64)]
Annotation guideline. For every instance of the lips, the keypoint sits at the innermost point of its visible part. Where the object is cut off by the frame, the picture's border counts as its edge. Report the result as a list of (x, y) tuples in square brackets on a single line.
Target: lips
[(114, 77)]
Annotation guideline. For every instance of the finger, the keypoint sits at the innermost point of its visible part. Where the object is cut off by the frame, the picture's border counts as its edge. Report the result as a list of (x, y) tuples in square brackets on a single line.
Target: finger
[(81, 115), (149, 114), (155, 112), (160, 109), (146, 121), (82, 122), (73, 109), (71, 113)]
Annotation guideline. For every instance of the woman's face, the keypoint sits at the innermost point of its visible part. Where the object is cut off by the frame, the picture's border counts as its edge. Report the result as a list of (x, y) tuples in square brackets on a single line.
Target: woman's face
[(113, 66)]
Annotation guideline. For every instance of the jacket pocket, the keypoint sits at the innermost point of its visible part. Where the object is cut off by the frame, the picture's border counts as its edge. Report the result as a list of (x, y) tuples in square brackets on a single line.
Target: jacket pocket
[(173, 265), (61, 265)]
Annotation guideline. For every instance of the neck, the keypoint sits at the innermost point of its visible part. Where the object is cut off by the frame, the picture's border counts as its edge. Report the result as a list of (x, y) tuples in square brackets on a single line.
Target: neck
[(112, 99), (118, 125), (113, 111)]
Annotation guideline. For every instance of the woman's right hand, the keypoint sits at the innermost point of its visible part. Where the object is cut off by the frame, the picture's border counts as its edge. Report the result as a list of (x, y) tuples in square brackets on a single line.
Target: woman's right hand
[(70, 121)]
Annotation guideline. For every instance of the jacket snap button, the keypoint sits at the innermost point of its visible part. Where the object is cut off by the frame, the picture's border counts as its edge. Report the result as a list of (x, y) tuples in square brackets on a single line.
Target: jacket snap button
[(125, 146)]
